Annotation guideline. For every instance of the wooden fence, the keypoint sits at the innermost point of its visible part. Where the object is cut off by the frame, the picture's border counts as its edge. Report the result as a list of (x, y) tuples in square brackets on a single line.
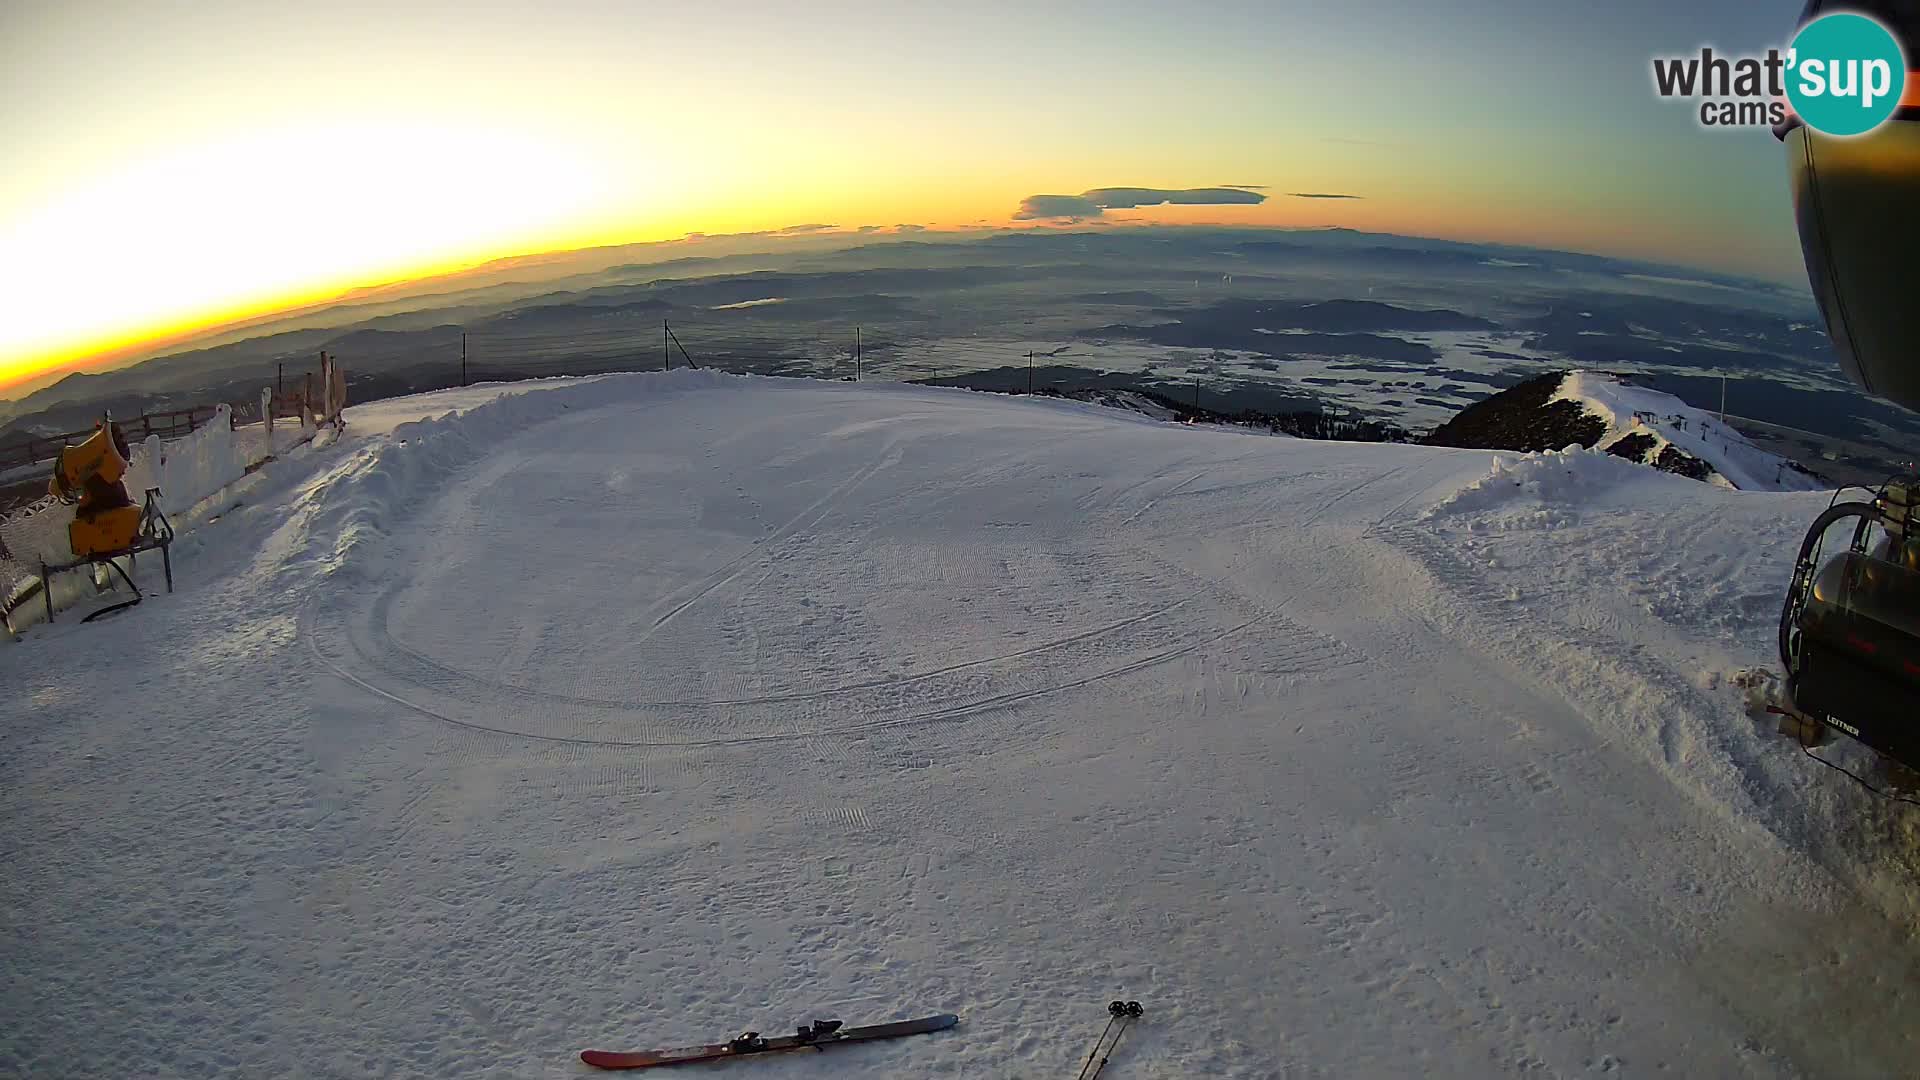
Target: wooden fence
[(173, 424), (310, 398)]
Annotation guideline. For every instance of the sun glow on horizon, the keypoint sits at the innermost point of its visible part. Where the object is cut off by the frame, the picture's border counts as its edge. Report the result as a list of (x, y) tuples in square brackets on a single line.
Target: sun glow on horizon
[(201, 304), (206, 234), (179, 169)]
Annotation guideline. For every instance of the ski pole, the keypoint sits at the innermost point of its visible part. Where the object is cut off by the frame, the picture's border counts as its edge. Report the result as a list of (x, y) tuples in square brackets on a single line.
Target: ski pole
[(1115, 1010), (1132, 1011)]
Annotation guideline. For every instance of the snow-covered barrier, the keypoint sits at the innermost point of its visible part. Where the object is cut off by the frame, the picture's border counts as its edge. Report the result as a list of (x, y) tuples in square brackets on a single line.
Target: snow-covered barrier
[(29, 537), (190, 469), (186, 472)]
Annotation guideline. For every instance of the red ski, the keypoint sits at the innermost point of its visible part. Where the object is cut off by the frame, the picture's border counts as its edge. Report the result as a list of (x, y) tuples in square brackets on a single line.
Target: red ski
[(816, 1036)]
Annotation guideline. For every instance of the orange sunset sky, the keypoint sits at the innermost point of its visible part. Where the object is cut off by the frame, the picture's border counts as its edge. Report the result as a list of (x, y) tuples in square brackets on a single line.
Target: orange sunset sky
[(173, 167)]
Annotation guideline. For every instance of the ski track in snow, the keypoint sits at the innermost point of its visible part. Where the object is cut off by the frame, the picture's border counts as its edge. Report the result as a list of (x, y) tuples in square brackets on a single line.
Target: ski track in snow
[(645, 709)]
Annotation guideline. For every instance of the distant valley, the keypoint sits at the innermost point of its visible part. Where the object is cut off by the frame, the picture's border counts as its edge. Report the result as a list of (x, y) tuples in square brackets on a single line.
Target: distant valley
[(1394, 330)]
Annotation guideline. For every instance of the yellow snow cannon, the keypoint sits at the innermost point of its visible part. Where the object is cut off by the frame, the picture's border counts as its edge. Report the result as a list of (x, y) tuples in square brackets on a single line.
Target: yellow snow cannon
[(88, 476)]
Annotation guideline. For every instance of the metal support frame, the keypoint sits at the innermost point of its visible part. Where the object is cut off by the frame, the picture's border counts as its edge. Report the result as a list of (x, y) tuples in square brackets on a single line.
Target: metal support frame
[(156, 532)]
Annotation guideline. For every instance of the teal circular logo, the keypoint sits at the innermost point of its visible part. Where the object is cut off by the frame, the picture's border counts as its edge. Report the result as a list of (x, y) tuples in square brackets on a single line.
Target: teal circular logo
[(1846, 73)]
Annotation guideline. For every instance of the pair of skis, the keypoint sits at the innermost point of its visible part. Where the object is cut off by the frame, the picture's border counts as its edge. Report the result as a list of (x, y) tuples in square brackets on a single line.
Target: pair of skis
[(815, 1036), (1122, 1013), (824, 1033)]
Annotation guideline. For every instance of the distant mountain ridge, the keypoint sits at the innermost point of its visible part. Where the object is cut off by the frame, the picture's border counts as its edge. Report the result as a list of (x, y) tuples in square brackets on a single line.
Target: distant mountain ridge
[(1609, 413)]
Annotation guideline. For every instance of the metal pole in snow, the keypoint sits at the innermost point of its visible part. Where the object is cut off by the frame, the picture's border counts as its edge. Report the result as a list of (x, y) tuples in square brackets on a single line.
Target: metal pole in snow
[(463, 358), (1029, 372)]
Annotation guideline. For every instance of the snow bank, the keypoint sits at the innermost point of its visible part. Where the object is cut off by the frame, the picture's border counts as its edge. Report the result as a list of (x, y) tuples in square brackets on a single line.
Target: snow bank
[(382, 416), (1630, 410), (1566, 479), (365, 499)]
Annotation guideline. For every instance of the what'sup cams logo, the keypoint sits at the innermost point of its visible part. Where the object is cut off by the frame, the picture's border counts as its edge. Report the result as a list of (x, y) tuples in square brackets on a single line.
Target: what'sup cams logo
[(1844, 74)]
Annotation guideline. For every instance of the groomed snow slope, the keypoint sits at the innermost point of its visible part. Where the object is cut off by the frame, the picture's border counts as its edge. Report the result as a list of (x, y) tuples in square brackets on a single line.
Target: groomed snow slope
[(641, 710)]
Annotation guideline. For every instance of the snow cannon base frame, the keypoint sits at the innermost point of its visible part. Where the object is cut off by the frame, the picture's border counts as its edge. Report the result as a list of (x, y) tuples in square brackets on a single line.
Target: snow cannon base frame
[(155, 532), (1850, 629)]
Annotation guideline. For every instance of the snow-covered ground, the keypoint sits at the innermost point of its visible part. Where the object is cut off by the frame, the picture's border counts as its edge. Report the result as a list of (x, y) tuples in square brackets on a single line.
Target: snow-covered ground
[(645, 709)]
